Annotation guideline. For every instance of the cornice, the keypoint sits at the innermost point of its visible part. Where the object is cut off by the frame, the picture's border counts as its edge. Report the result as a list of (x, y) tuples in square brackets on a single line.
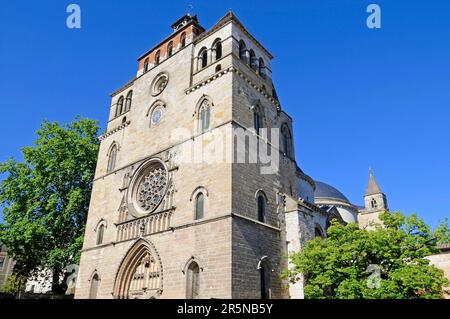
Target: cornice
[(113, 131)]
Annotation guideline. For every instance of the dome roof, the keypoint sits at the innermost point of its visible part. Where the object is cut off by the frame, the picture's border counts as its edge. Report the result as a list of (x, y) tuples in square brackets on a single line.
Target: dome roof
[(326, 191)]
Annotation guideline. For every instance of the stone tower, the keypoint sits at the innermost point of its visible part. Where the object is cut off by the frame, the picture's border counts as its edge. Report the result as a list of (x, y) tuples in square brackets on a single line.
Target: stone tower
[(375, 203), (169, 220)]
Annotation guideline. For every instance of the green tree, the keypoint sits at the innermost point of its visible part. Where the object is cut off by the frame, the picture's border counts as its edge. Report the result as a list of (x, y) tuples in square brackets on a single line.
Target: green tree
[(45, 198), (14, 285), (386, 262)]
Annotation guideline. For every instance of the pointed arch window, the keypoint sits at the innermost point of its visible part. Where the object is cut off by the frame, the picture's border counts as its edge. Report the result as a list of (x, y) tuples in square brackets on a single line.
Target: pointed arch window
[(170, 49), (287, 141), (146, 62), (100, 234), (119, 108), (261, 206), (112, 159), (199, 206), (128, 101), (262, 68), (205, 116), (258, 119), (193, 281), (94, 287), (218, 49), (183, 40)]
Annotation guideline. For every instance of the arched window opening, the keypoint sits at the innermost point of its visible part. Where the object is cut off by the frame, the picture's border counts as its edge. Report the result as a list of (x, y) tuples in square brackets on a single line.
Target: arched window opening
[(100, 233), (218, 49), (128, 101), (183, 40), (262, 68), (253, 61), (242, 51), (170, 49), (193, 281), (94, 287), (158, 57), (199, 206), (374, 203), (119, 109), (205, 116), (146, 62), (265, 280), (261, 208), (203, 58), (287, 141), (318, 232), (258, 120), (124, 120), (218, 68), (112, 159)]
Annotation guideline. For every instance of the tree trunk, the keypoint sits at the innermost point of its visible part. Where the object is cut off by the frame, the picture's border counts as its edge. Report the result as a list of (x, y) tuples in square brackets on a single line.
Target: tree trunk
[(56, 287)]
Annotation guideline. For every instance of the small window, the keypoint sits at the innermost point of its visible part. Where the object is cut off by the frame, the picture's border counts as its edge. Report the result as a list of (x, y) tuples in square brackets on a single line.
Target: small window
[(262, 68), (128, 101), (253, 61), (242, 51), (100, 233), (146, 62), (156, 116), (119, 108), (374, 203), (261, 208), (287, 141), (199, 206), (218, 49), (258, 120), (205, 116), (94, 287), (218, 68), (183, 40), (170, 49), (158, 57), (2, 262), (112, 159), (203, 58), (193, 281)]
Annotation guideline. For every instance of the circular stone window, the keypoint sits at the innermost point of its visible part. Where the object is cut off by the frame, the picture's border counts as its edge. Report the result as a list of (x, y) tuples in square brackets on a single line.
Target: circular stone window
[(159, 84), (149, 187), (156, 116)]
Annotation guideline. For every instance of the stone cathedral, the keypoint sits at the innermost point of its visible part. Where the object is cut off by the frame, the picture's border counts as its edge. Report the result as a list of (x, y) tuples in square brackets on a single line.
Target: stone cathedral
[(162, 226)]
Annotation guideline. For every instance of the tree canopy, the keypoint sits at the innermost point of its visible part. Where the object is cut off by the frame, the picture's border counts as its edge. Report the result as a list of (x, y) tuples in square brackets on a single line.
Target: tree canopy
[(45, 198), (384, 262)]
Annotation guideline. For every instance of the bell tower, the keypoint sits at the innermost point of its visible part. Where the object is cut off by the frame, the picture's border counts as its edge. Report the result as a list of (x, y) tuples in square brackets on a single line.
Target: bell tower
[(375, 203)]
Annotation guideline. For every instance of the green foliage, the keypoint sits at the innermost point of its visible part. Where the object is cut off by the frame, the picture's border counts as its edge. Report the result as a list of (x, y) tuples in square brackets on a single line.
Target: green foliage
[(386, 262), (45, 199), (14, 284)]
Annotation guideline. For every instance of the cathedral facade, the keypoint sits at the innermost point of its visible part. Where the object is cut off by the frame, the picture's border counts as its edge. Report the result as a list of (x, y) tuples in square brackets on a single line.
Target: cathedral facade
[(169, 221)]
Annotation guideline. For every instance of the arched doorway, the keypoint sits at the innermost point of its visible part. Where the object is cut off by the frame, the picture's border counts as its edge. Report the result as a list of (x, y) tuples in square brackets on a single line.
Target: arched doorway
[(140, 273)]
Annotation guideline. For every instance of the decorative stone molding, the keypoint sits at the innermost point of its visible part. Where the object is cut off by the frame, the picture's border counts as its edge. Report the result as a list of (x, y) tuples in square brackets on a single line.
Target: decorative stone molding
[(113, 131), (240, 74)]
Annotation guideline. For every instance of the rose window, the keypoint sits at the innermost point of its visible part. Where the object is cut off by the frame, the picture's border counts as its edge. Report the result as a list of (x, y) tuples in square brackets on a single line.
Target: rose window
[(152, 189)]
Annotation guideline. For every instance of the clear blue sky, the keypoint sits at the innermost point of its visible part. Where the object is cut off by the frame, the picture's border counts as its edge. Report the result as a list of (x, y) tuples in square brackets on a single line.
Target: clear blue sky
[(358, 97)]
